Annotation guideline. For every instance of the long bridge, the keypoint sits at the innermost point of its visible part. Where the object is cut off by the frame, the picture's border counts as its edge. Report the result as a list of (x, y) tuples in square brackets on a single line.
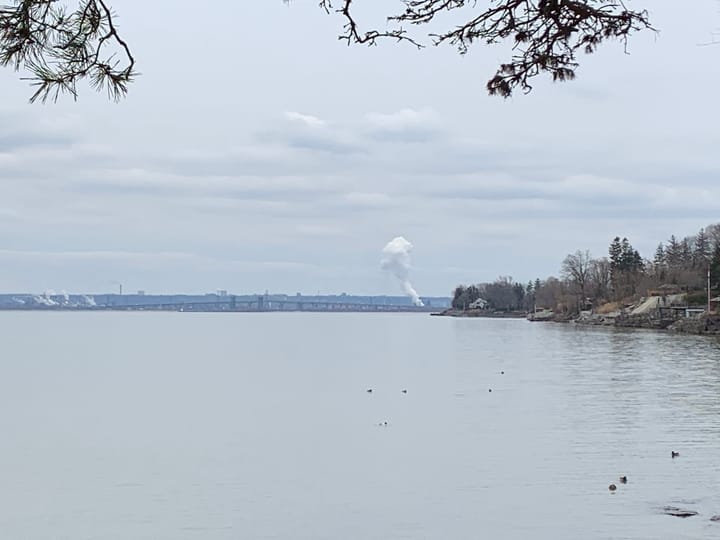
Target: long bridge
[(262, 304), (233, 304)]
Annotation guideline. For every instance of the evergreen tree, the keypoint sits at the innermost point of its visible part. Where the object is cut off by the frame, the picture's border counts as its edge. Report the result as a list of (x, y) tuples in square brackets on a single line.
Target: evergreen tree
[(673, 255), (519, 291), (529, 296), (615, 253), (459, 297), (686, 253), (659, 259), (464, 296), (702, 251), (626, 265), (626, 255)]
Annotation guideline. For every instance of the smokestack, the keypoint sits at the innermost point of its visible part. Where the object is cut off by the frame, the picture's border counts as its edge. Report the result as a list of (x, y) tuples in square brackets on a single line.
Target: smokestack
[(396, 259)]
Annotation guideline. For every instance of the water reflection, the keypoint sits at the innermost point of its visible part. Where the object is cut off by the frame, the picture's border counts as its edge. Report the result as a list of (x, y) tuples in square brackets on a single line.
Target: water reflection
[(606, 403), (229, 426)]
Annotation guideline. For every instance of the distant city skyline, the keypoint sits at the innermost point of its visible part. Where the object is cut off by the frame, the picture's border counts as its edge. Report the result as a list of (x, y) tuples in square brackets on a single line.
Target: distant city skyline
[(221, 301), (221, 293), (248, 164)]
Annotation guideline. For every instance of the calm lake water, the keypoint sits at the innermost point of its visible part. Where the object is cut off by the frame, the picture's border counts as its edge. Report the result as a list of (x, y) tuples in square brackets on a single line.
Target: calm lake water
[(253, 426)]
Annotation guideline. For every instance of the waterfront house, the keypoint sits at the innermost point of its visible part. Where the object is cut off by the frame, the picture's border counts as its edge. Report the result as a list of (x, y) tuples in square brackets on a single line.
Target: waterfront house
[(480, 303)]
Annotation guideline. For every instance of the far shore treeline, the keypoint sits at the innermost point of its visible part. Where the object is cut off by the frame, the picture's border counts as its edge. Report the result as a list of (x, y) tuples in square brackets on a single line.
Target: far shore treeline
[(585, 282)]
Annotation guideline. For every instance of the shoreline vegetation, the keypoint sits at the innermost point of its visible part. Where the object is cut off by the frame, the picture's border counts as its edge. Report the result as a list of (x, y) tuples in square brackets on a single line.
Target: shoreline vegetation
[(677, 290)]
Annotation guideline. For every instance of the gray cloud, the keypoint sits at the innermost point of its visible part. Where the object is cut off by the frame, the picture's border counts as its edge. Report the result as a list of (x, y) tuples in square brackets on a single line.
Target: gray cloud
[(19, 131), (14, 140), (405, 125), (308, 132), (274, 175)]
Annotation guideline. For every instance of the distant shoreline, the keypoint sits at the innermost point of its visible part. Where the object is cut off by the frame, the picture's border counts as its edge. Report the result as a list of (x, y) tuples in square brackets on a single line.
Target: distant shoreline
[(212, 309), (221, 302)]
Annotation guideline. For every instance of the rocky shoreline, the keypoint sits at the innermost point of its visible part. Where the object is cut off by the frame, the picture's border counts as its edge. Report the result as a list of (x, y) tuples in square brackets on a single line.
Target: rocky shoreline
[(698, 325), (482, 313)]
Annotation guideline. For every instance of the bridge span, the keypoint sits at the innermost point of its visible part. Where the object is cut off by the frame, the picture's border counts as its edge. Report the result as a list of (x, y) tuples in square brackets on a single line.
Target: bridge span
[(262, 304)]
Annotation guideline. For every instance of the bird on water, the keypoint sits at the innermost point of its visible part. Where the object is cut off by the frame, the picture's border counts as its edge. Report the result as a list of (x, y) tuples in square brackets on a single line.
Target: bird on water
[(612, 487), (674, 454)]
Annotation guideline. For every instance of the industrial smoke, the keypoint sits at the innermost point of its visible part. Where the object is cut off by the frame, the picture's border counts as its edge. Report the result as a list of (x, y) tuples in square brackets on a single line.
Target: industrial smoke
[(396, 259)]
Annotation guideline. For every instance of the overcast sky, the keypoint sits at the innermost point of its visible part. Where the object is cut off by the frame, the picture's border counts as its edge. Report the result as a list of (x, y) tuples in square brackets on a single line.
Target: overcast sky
[(257, 152)]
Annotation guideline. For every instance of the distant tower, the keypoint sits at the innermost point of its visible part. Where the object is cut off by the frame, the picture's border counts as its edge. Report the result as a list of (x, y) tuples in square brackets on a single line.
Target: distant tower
[(120, 284)]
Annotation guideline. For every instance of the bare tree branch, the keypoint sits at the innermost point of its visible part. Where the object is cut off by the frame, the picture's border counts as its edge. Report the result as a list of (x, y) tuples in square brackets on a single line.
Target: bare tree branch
[(547, 35)]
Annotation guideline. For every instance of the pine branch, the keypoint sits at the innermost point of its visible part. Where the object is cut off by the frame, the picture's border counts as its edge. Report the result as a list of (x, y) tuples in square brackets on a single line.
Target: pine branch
[(60, 47)]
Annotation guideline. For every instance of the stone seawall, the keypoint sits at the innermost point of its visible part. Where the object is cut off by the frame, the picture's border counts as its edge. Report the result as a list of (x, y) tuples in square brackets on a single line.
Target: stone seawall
[(686, 325), (697, 325)]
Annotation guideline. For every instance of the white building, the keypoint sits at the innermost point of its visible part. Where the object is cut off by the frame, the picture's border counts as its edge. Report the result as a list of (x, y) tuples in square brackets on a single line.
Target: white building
[(480, 303)]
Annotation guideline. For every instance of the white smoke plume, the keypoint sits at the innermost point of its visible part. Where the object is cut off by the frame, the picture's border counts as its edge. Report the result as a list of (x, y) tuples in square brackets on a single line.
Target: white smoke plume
[(396, 259), (44, 300)]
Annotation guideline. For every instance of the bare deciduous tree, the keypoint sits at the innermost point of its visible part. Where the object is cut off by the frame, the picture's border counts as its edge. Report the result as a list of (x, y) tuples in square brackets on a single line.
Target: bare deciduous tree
[(550, 293), (576, 271), (600, 278), (501, 294)]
